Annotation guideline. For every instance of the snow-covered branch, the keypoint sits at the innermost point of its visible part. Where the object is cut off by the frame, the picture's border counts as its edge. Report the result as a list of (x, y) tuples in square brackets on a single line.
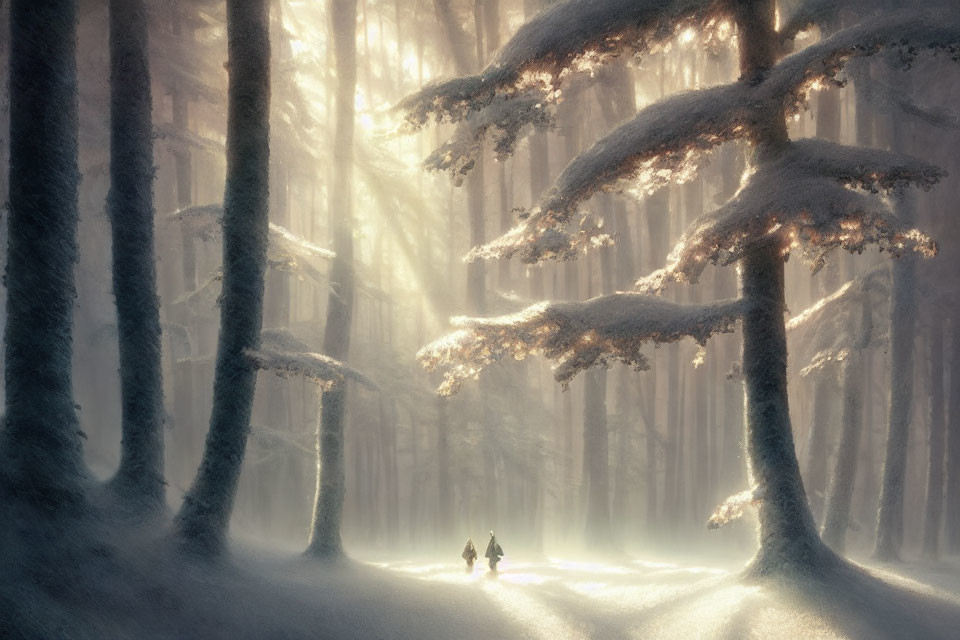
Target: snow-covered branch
[(852, 318), (503, 120), (665, 143), (908, 33), (286, 251), (564, 38), (281, 352), (576, 335), (801, 201), (733, 508)]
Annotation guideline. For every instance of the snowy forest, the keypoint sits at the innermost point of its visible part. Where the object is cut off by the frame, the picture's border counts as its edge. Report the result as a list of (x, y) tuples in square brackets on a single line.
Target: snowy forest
[(480, 319)]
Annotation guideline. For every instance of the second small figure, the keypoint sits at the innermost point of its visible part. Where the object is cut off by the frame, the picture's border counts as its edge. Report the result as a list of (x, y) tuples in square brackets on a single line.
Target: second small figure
[(494, 552)]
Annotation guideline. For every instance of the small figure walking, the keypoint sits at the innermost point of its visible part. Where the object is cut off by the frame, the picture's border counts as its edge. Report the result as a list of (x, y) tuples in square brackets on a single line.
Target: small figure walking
[(494, 552), (469, 554)]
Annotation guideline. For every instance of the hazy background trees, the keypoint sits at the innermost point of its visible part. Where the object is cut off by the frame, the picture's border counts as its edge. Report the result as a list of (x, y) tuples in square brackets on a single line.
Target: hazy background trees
[(510, 453)]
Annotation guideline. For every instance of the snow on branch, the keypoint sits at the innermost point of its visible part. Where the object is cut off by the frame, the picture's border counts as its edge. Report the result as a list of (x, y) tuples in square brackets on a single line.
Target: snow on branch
[(576, 335), (286, 251), (566, 37), (852, 318), (874, 284), (204, 221), (666, 141), (663, 144), (907, 33), (802, 201), (503, 119), (284, 354), (733, 508)]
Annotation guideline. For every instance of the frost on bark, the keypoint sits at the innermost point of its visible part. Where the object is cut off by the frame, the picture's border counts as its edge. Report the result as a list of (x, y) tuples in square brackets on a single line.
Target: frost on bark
[(140, 477), (325, 540), (40, 442), (576, 335), (204, 517)]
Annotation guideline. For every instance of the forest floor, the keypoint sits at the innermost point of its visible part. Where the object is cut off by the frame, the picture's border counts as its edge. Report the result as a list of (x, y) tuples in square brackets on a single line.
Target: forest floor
[(146, 590)]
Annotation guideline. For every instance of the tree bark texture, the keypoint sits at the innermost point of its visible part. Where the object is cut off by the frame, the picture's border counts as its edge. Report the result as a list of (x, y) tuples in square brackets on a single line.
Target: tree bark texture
[(204, 517), (140, 477), (325, 539)]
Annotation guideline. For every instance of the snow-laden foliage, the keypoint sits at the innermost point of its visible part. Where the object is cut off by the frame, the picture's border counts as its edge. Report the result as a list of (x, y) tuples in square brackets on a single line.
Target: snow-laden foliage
[(567, 37), (733, 508), (503, 121), (805, 200), (286, 251), (666, 142), (284, 354), (576, 335)]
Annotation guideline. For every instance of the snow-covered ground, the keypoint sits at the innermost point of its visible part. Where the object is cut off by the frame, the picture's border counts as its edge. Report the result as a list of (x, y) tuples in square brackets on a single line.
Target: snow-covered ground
[(146, 590), (642, 598)]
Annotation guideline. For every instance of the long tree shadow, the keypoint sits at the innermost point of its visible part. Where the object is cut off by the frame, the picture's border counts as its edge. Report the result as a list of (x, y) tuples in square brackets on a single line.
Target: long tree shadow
[(858, 604)]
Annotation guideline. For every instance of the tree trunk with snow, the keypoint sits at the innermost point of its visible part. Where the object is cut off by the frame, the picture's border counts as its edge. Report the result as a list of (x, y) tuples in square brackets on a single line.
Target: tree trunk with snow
[(933, 509), (140, 477), (204, 517), (40, 442), (788, 536), (325, 540)]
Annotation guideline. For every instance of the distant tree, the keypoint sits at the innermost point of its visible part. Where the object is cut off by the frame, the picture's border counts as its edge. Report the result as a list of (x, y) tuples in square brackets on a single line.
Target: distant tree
[(140, 477), (846, 319), (204, 516), (325, 538), (933, 503), (898, 102), (41, 438), (795, 196)]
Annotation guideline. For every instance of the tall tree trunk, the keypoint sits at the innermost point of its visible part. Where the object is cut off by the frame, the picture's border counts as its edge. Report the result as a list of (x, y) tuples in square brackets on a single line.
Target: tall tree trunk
[(41, 440), (815, 469), (325, 538), (140, 475), (902, 323), (935, 459), (815, 472), (444, 482), (596, 458), (204, 517), (836, 517), (788, 536), (183, 165), (953, 443)]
